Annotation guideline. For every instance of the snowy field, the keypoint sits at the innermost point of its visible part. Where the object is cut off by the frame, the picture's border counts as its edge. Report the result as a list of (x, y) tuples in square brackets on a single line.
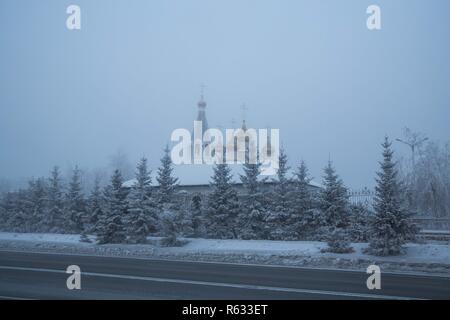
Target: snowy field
[(430, 257)]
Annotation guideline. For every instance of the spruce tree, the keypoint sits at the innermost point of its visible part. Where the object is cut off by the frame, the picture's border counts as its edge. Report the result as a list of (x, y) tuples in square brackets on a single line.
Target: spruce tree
[(95, 207), (252, 214), (142, 214), (334, 205), (305, 218), (184, 221), (112, 228), (338, 241), (17, 216), (33, 204), (75, 203), (359, 228), (169, 228), (56, 218), (198, 220), (283, 185), (302, 189), (222, 206), (3, 211), (334, 201), (167, 182), (281, 208), (390, 227)]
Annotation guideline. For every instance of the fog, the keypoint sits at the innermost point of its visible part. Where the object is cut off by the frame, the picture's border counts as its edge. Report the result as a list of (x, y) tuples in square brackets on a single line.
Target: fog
[(134, 71)]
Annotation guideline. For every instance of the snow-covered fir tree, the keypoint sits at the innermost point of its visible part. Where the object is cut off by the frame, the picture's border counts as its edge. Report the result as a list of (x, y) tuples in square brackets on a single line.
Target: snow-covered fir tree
[(55, 217), (283, 186), (169, 228), (142, 215), (305, 217), (252, 214), (390, 227), (222, 208), (167, 182), (360, 216), (33, 204), (3, 211), (75, 203), (335, 208), (95, 207), (184, 221), (111, 225), (16, 212), (281, 206), (338, 241), (198, 219), (333, 199)]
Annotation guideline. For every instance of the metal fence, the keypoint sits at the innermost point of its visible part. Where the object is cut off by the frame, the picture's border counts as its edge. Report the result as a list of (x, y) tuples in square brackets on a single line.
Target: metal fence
[(364, 196)]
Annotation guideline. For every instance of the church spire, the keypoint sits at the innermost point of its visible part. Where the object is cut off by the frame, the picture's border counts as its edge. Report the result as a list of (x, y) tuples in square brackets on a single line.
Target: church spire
[(244, 126), (201, 115), (244, 111), (202, 91)]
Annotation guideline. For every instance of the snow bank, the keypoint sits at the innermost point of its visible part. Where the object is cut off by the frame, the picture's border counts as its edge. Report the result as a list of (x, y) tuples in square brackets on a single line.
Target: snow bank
[(255, 246), (429, 257), (44, 237), (418, 253)]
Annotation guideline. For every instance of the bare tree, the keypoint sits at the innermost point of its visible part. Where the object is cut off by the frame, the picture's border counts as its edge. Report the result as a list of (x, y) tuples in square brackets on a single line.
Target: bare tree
[(426, 176)]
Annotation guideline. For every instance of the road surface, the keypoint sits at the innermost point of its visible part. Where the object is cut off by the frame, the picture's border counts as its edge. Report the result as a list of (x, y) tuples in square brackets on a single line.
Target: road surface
[(42, 276)]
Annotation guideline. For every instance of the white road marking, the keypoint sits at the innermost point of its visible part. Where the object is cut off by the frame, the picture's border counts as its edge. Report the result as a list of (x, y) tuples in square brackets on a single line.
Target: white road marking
[(219, 284)]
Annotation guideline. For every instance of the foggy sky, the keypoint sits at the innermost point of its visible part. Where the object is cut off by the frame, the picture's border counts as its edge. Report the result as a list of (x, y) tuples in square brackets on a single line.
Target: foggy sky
[(133, 73)]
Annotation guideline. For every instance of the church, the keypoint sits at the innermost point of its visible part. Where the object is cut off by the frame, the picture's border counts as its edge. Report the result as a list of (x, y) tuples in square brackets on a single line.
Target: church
[(239, 145), (195, 178)]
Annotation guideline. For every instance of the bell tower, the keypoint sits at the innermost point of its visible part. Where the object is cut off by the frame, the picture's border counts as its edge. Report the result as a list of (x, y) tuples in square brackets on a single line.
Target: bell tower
[(201, 115)]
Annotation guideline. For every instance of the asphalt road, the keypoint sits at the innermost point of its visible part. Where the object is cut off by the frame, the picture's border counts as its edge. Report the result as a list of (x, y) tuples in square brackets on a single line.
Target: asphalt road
[(43, 276)]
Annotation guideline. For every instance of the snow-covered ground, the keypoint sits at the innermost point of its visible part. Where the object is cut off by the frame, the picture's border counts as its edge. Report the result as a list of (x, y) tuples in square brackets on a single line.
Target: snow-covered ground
[(431, 253), (418, 257), (45, 237)]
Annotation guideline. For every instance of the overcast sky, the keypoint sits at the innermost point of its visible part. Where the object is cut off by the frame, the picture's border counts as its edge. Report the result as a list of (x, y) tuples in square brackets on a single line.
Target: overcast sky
[(132, 74)]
